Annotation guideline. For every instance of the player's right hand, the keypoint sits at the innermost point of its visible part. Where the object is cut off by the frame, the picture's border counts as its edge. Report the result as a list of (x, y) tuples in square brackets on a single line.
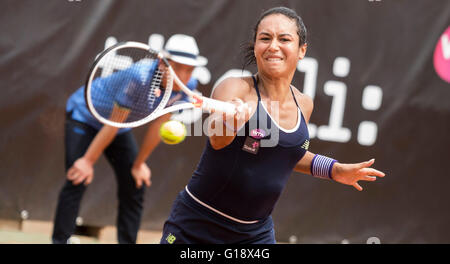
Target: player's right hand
[(241, 116), (81, 171), (222, 127)]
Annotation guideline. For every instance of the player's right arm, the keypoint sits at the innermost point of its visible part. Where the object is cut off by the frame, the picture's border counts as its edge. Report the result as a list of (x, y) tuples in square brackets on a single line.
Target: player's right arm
[(222, 128), (83, 168)]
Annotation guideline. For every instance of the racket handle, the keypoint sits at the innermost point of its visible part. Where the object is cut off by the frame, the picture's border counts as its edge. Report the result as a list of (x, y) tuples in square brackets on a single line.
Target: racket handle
[(219, 106)]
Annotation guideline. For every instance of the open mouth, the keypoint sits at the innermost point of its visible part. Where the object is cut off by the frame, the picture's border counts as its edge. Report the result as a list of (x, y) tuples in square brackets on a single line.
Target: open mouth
[(274, 59)]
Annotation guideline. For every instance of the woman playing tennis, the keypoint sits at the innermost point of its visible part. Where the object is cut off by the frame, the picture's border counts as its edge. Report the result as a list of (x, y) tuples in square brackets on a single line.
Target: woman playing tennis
[(237, 183)]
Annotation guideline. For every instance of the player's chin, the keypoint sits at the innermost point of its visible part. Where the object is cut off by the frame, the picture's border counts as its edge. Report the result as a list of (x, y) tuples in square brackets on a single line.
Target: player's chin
[(275, 72), (274, 68)]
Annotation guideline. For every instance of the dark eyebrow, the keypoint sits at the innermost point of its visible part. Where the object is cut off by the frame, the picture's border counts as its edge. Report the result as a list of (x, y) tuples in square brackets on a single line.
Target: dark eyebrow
[(281, 35), (264, 33), (285, 35)]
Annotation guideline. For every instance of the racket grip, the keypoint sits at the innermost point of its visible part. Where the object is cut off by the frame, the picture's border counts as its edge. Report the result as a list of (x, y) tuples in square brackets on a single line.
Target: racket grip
[(219, 106)]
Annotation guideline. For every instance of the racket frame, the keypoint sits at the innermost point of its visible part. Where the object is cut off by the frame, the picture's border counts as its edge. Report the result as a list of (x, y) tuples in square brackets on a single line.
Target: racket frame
[(155, 114), (200, 101)]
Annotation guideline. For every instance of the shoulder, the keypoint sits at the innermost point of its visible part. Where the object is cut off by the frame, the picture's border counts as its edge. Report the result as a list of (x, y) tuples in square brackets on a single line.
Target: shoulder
[(192, 83), (138, 70), (306, 103), (232, 87)]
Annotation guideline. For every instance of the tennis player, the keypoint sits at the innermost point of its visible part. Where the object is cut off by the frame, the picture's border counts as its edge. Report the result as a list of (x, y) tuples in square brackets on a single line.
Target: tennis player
[(86, 139), (234, 189)]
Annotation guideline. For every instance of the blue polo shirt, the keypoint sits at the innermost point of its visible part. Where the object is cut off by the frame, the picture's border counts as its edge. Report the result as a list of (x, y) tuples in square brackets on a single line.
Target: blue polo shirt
[(137, 76)]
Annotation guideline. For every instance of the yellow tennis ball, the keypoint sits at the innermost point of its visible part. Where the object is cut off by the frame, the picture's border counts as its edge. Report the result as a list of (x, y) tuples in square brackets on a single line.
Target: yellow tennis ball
[(172, 132)]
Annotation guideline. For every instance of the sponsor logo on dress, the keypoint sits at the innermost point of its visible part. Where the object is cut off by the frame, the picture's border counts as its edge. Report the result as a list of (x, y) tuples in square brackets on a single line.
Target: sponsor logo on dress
[(170, 238), (258, 133), (305, 145)]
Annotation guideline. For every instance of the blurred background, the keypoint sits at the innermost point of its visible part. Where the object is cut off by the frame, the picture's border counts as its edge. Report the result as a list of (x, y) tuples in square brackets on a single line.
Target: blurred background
[(378, 71)]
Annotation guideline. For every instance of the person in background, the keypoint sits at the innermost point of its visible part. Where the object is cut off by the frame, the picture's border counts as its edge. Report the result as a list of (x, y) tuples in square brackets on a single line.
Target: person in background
[(86, 139)]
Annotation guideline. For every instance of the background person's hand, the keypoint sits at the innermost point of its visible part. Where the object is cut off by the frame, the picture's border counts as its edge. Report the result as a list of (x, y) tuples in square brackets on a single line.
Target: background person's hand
[(141, 175), (350, 174), (81, 171)]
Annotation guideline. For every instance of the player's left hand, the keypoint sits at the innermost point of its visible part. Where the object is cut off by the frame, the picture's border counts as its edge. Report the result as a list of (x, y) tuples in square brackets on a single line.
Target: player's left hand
[(350, 174), (141, 175)]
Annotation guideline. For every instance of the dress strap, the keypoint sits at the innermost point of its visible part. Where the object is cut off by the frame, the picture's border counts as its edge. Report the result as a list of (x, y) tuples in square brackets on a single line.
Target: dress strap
[(295, 100), (259, 100), (256, 87)]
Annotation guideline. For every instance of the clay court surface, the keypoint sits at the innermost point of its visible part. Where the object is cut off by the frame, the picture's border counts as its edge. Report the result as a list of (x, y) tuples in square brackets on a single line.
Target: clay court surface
[(39, 232)]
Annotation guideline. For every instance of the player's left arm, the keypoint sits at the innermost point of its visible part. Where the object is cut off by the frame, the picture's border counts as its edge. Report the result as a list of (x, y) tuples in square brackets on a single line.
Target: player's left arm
[(140, 171), (345, 173)]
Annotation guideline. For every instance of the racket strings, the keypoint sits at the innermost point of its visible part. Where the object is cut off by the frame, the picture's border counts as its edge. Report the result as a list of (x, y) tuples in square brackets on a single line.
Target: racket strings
[(127, 85), (156, 84)]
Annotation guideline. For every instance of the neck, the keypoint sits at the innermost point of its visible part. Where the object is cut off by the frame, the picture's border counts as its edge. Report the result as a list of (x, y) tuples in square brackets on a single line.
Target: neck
[(276, 89)]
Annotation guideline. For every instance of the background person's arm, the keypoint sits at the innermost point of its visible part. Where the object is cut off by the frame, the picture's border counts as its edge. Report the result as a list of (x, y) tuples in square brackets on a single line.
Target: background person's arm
[(140, 171), (83, 168)]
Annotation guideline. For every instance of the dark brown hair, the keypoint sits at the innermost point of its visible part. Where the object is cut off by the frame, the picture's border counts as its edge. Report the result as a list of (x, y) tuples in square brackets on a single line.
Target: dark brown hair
[(248, 48)]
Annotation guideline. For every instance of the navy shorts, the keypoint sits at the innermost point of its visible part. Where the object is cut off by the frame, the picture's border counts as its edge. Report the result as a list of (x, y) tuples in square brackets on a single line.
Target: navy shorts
[(192, 223)]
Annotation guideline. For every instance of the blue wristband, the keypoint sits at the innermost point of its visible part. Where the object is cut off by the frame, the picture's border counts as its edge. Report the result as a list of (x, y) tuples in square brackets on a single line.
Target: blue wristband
[(322, 166)]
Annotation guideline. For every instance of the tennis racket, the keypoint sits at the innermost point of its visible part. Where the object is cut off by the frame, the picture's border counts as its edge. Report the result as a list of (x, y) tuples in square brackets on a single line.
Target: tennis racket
[(130, 84)]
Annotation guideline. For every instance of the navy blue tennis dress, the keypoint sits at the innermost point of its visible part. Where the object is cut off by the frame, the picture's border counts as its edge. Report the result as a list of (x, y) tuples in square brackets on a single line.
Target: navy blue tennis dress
[(233, 191)]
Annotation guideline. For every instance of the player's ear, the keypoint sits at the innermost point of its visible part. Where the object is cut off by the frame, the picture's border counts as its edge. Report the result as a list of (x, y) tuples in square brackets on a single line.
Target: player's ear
[(302, 51)]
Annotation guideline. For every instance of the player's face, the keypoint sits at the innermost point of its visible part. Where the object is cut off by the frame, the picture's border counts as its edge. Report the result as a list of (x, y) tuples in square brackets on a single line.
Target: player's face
[(277, 49), (183, 71)]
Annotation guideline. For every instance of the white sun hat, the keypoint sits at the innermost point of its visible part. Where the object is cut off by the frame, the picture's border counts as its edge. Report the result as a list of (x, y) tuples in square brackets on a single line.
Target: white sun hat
[(183, 49)]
